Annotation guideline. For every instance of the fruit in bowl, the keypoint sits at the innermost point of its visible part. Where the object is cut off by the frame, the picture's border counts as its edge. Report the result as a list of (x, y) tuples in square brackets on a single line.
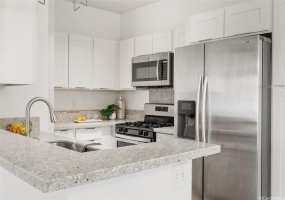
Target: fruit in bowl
[(81, 119)]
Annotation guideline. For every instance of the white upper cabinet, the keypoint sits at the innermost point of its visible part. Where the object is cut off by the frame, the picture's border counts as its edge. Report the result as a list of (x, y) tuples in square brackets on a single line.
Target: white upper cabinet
[(252, 16), (17, 41), (104, 68), (179, 37), (278, 43), (162, 42), (127, 52), (206, 26), (143, 45), (80, 61), (61, 60)]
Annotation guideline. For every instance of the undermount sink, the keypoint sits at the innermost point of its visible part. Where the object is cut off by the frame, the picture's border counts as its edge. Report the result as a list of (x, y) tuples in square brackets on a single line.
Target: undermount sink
[(70, 145)]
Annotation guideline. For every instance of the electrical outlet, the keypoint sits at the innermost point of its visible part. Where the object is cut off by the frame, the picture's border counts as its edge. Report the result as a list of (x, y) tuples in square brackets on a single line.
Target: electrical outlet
[(180, 175)]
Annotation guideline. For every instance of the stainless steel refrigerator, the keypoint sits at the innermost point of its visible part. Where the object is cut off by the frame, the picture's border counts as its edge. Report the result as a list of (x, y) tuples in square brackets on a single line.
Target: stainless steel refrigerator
[(229, 83)]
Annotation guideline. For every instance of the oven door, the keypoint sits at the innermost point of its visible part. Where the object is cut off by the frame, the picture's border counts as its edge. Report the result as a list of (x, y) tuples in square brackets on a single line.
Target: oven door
[(146, 71), (125, 140)]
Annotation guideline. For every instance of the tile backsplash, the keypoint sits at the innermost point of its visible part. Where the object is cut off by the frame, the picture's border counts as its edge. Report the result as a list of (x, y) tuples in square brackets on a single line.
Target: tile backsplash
[(161, 95)]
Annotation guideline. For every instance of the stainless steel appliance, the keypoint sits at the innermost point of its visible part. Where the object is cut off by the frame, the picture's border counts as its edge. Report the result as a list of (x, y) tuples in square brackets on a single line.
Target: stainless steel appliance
[(154, 70), (156, 116), (229, 81)]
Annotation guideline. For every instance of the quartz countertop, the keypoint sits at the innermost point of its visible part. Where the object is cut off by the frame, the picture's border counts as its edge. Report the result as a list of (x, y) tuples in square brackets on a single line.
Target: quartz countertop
[(74, 125), (51, 168), (166, 130)]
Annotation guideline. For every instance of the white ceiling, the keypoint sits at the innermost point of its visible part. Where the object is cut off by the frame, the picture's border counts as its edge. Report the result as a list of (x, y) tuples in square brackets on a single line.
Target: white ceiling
[(117, 6)]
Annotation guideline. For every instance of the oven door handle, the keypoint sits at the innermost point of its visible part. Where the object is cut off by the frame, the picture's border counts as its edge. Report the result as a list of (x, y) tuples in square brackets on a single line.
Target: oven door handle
[(132, 139)]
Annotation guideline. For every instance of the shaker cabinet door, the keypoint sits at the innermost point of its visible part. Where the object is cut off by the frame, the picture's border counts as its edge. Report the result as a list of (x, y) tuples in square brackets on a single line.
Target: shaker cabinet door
[(278, 41), (206, 26), (179, 37), (61, 60), (127, 52), (17, 41), (162, 42), (80, 61), (143, 45), (105, 58), (248, 17)]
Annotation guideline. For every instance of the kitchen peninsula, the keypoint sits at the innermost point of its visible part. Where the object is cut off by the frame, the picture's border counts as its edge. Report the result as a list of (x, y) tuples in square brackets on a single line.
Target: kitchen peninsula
[(38, 170)]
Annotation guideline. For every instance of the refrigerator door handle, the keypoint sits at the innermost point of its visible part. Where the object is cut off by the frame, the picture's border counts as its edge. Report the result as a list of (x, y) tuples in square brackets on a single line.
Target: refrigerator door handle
[(205, 86), (197, 135)]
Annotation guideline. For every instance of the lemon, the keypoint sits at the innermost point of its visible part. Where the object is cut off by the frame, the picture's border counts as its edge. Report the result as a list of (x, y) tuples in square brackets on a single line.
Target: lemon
[(79, 118), (83, 118), (15, 127), (23, 130)]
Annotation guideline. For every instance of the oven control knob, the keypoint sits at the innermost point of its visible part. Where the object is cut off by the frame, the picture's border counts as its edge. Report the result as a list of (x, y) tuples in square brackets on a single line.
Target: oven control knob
[(145, 133), (141, 132), (120, 129), (125, 130)]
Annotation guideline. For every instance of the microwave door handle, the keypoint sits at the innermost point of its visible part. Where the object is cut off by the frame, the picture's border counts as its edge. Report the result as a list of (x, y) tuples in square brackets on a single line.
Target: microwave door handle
[(197, 135), (157, 71), (205, 86)]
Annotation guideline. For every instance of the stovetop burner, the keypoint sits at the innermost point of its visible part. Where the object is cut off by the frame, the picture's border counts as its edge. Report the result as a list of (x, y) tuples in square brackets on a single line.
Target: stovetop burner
[(144, 124)]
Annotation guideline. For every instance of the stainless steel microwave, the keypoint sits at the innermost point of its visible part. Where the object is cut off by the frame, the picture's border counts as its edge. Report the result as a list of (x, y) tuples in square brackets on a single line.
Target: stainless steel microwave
[(154, 70)]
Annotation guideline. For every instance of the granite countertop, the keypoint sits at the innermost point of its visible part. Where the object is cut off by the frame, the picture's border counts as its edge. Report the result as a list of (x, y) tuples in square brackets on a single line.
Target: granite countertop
[(51, 168), (73, 125), (166, 130)]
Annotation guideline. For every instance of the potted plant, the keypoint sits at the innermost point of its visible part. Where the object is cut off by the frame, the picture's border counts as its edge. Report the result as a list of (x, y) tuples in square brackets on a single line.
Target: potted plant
[(110, 111)]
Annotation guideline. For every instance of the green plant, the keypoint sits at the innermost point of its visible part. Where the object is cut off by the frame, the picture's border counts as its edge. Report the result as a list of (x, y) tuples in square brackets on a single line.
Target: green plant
[(106, 113)]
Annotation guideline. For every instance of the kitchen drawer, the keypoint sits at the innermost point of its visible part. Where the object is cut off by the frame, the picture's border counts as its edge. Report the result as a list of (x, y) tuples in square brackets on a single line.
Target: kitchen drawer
[(66, 133), (163, 137), (89, 134)]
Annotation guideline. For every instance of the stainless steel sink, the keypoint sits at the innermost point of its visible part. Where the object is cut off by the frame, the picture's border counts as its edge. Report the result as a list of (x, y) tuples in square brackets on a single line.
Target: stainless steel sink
[(70, 145)]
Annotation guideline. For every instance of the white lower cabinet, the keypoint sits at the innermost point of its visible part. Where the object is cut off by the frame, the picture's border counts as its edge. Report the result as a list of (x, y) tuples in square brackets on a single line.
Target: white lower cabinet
[(66, 133), (88, 134), (278, 141), (252, 16), (163, 137)]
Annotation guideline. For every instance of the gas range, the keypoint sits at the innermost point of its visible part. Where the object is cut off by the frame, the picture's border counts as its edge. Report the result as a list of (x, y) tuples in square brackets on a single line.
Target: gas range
[(156, 116)]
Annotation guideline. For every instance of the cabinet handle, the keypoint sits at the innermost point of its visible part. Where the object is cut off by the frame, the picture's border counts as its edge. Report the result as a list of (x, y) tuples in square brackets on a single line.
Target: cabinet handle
[(42, 2), (81, 87)]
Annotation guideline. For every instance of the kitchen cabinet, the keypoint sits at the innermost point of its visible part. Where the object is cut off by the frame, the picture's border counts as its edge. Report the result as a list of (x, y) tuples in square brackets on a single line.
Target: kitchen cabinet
[(252, 16), (88, 134), (66, 133), (278, 140), (163, 137), (143, 45), (80, 61), (105, 62), (206, 26), (61, 60), (127, 52), (162, 42), (179, 37), (17, 41), (278, 41)]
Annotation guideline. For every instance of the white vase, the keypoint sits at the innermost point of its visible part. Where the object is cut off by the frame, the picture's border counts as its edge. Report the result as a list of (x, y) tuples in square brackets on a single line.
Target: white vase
[(113, 116)]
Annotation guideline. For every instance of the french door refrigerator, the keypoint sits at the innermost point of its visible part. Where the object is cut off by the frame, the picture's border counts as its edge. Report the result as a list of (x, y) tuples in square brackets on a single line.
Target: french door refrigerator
[(229, 80)]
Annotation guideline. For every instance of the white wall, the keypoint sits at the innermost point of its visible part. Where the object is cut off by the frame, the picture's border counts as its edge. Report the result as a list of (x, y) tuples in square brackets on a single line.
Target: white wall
[(15, 98), (83, 100), (86, 21)]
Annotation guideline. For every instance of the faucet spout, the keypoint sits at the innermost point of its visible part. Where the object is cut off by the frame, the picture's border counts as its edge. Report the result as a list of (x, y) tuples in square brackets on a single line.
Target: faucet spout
[(53, 117)]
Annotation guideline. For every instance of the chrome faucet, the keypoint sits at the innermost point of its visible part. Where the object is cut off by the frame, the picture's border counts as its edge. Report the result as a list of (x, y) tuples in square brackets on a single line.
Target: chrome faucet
[(53, 117)]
